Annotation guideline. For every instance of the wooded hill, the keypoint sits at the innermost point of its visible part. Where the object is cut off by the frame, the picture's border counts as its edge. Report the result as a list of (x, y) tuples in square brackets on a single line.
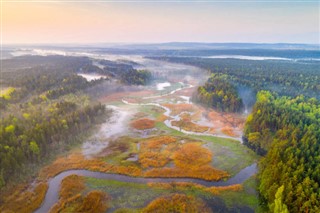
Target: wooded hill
[(218, 93)]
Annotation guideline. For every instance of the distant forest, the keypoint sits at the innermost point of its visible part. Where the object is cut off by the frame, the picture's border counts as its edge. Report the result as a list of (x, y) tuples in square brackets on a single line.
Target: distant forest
[(284, 77)]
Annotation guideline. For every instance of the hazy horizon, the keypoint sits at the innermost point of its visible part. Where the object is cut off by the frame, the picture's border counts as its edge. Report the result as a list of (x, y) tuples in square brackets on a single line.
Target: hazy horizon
[(149, 22), (155, 43)]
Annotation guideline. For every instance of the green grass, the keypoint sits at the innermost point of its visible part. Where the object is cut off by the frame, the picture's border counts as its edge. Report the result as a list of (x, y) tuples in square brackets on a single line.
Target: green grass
[(152, 110), (118, 157), (125, 195), (135, 195), (247, 197), (130, 197)]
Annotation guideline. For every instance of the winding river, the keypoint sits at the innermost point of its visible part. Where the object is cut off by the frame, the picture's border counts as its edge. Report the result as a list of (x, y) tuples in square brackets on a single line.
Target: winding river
[(52, 195), (168, 122)]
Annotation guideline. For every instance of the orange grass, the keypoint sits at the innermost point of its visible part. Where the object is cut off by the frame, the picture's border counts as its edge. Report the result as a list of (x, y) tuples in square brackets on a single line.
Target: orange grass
[(179, 108), (228, 131), (215, 190), (156, 143), (192, 156), (77, 161), (191, 160), (153, 159), (23, 199), (162, 118), (187, 125), (143, 123), (71, 185), (177, 203), (205, 172), (152, 153), (94, 201), (73, 200)]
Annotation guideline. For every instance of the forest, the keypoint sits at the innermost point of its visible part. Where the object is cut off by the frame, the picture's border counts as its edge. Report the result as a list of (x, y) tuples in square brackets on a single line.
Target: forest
[(218, 93), (286, 131), (138, 77), (123, 71), (43, 111), (288, 78)]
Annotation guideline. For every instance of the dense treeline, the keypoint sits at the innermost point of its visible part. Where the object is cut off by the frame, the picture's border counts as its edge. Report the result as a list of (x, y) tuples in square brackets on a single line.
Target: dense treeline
[(44, 110), (288, 78), (287, 131), (218, 93), (138, 77), (294, 51), (45, 86), (33, 137), (46, 77)]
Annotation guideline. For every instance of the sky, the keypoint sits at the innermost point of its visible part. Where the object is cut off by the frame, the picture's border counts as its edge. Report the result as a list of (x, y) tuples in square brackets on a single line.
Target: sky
[(147, 21)]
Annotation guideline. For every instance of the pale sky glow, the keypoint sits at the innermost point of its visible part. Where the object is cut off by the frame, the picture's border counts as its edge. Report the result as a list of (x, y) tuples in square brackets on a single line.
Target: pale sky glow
[(204, 21)]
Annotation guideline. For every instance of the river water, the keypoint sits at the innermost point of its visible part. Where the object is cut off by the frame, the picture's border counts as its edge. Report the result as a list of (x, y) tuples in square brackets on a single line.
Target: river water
[(52, 195)]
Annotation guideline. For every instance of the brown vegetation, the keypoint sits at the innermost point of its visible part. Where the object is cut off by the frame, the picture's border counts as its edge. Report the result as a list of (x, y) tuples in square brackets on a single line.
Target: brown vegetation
[(227, 130), (71, 186), (140, 115), (177, 203), (229, 123), (162, 118), (192, 156), (197, 115), (153, 152), (176, 109), (156, 143), (73, 200), (205, 172), (118, 96), (188, 125), (153, 159), (77, 161), (115, 146), (143, 123), (94, 202), (24, 199), (215, 190), (191, 160)]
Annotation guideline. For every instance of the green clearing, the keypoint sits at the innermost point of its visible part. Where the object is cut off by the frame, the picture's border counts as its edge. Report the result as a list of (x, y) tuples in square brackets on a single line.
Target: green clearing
[(130, 197), (248, 196), (125, 195)]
